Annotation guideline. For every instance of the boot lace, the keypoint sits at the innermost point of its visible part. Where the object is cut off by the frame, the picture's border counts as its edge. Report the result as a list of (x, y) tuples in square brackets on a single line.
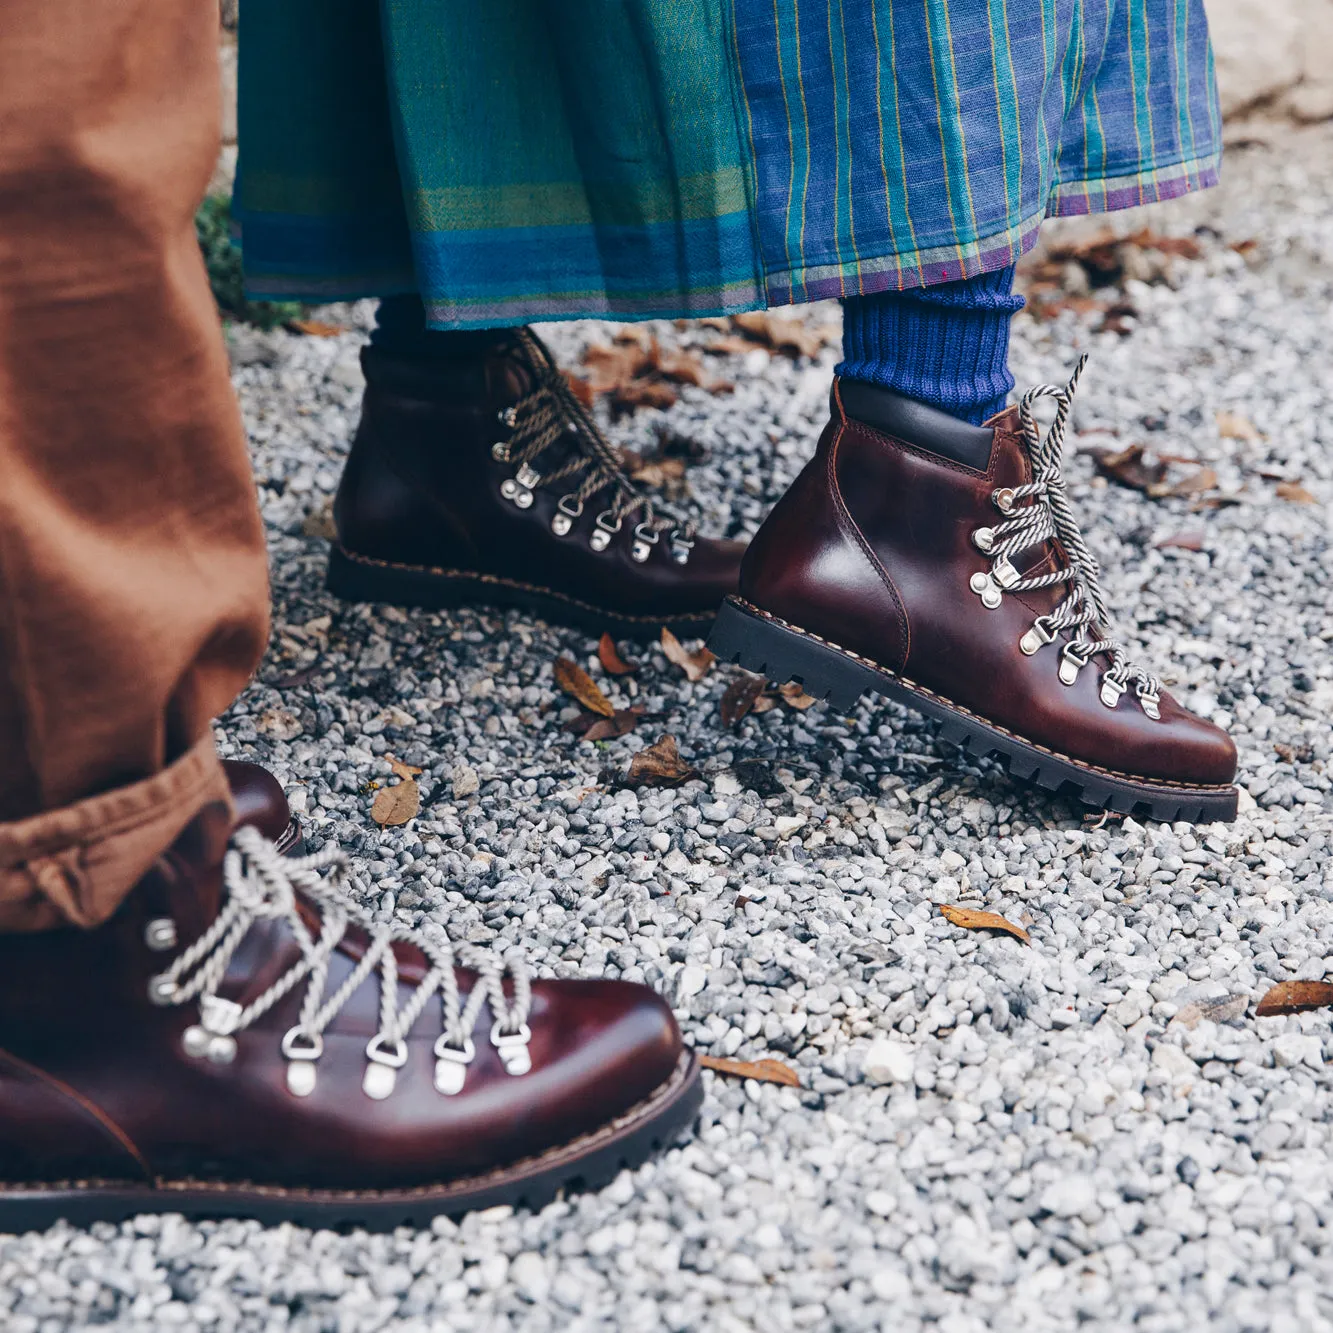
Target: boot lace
[(262, 885), (1083, 612), (550, 413)]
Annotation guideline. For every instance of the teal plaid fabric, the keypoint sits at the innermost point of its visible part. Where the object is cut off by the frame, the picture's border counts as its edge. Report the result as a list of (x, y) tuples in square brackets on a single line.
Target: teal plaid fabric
[(528, 159)]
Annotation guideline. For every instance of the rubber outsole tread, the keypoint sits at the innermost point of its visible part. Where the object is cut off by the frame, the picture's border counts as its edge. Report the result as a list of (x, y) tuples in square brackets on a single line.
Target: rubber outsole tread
[(357, 578), (782, 653)]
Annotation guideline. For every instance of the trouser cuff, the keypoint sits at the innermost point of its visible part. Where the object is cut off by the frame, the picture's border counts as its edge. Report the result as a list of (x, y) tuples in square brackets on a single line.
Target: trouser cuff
[(74, 866)]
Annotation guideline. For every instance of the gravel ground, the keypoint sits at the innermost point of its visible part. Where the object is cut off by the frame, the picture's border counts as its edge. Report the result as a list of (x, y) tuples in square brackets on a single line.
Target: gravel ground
[(1094, 1129)]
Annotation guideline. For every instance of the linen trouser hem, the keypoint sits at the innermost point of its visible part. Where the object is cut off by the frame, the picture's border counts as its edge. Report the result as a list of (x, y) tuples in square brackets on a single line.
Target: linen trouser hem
[(75, 866)]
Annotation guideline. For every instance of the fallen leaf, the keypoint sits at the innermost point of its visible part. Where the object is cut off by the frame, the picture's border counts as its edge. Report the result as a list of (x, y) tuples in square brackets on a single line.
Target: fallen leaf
[(400, 769), (739, 697), (620, 723), (612, 662), (784, 335), (659, 765), (279, 723), (1233, 426), (695, 665), (658, 472), (576, 682), (635, 372), (765, 703), (295, 678), (794, 696), (315, 328), (1220, 1009), (581, 389), (396, 805), (763, 1071), (633, 394), (1205, 479), (1294, 492), (971, 919), (757, 775), (1182, 541), (1127, 467), (1291, 997), (319, 523)]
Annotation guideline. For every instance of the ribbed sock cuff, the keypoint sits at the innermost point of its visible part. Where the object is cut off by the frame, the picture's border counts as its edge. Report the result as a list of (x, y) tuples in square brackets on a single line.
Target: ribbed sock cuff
[(946, 345)]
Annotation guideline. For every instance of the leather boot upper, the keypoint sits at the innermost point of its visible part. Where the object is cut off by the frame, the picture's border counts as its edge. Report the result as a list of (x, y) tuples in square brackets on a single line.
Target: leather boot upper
[(873, 549)]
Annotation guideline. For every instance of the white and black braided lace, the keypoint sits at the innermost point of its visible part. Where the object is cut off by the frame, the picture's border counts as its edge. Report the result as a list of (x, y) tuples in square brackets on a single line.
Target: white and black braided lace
[(261, 885), (1083, 613)]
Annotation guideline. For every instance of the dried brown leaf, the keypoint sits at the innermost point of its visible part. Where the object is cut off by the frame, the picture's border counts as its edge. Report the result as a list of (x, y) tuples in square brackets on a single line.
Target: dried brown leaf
[(315, 328), (695, 665), (633, 394), (783, 335), (1127, 467), (319, 523), (764, 1071), (576, 682), (581, 389), (794, 696), (612, 662), (1294, 493), (659, 765), (400, 769), (739, 697), (1182, 541), (1233, 426), (620, 723), (764, 703), (1291, 997), (396, 805), (1205, 479), (972, 919)]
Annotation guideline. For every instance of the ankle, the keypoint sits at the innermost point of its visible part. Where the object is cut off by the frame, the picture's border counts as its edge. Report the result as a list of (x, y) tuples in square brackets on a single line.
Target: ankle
[(401, 331), (946, 346)]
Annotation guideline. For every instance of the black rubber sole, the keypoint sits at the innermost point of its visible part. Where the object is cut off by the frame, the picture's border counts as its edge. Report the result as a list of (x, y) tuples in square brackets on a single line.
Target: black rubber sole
[(782, 654), (586, 1164), (360, 579)]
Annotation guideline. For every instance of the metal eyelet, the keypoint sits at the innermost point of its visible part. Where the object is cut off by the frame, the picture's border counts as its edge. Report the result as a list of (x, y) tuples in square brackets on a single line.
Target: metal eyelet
[(160, 934), (301, 1051), (513, 1048), (1036, 638), (211, 1037), (1071, 663), (680, 547), (451, 1064), (983, 539), (500, 451), (508, 416), (386, 1059), (1150, 701), (1003, 499), (520, 486), (601, 537), (1111, 690), (987, 589), (644, 541), (563, 520)]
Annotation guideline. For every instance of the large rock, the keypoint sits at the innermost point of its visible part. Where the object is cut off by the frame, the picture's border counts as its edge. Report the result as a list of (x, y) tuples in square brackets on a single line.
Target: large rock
[(1273, 55)]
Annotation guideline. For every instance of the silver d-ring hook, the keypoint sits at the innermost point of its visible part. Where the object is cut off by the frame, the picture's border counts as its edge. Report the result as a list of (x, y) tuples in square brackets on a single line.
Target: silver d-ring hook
[(386, 1059), (513, 1047), (301, 1049), (645, 538), (451, 1064), (1071, 663), (601, 537), (569, 510)]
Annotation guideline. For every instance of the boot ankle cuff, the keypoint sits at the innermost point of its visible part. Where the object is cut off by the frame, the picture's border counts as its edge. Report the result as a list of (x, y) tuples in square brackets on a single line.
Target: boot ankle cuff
[(75, 865)]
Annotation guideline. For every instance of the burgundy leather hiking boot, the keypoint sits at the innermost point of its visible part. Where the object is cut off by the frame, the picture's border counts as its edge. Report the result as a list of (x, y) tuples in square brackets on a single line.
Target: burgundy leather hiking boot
[(224, 1046), (939, 563), (482, 479)]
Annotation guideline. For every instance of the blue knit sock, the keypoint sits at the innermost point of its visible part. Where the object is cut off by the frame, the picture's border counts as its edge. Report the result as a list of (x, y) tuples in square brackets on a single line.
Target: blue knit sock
[(946, 345)]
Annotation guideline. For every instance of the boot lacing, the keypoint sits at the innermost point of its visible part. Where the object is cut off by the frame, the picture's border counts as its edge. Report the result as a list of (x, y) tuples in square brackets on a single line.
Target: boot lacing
[(262, 885), (549, 412), (1083, 612)]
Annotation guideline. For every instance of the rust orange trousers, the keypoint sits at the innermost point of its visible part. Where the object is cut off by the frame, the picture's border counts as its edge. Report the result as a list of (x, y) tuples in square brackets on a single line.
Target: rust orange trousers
[(133, 583)]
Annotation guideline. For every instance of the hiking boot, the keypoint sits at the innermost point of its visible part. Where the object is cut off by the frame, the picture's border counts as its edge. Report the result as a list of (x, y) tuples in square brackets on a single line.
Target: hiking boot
[(240, 1039), (940, 564), (481, 479)]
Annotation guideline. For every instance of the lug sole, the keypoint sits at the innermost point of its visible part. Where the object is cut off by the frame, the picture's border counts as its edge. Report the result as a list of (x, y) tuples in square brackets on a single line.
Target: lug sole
[(782, 654), (362, 579), (588, 1163)]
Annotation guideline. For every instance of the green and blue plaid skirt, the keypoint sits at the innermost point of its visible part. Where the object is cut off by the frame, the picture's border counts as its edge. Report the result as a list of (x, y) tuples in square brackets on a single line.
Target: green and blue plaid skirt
[(516, 160)]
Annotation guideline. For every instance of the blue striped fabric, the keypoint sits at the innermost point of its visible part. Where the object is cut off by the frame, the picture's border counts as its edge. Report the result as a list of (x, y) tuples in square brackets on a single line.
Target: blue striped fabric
[(900, 144), (523, 160)]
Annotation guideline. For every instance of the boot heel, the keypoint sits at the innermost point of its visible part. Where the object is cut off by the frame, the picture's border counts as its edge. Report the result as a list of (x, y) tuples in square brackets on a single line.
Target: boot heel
[(782, 654)]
